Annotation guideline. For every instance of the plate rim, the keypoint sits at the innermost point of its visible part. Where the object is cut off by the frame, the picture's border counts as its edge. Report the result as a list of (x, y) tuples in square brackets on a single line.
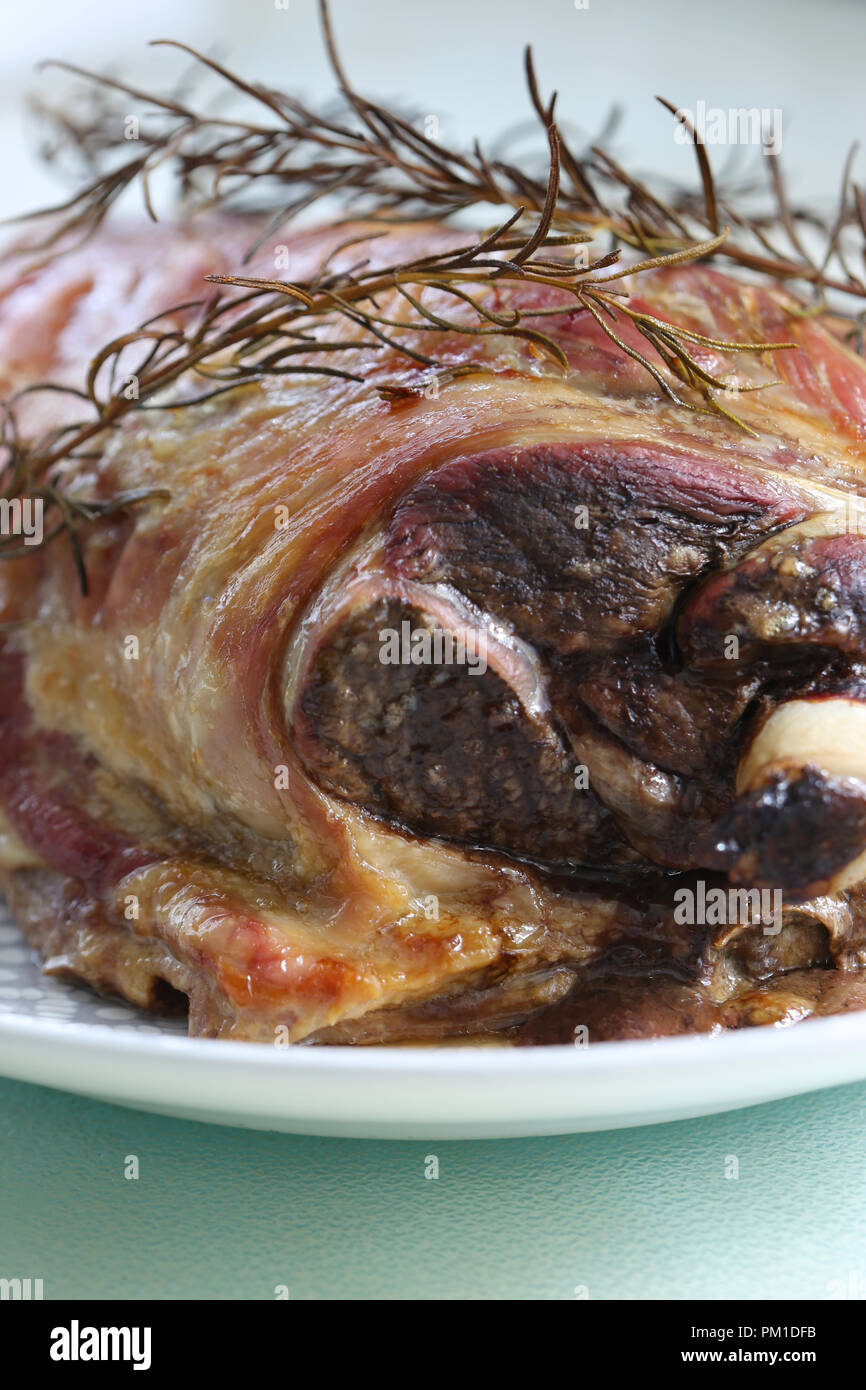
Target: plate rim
[(432, 1094), (809, 1037)]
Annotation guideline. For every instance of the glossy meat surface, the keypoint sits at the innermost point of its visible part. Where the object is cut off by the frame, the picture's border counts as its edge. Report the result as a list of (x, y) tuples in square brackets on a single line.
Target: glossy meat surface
[(213, 786)]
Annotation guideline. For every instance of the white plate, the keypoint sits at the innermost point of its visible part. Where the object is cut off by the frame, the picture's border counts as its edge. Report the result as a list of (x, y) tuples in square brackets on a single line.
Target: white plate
[(61, 1035)]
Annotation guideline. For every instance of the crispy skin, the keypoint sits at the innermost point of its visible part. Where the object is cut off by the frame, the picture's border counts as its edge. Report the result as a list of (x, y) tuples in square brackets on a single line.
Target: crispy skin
[(253, 811)]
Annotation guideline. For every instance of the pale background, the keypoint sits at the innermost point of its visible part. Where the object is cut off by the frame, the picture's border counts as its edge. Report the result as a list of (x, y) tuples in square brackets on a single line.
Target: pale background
[(647, 1213), (462, 60)]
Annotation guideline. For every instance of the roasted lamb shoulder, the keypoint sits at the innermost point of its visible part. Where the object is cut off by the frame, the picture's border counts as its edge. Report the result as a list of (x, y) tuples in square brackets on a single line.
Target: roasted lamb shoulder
[(409, 706)]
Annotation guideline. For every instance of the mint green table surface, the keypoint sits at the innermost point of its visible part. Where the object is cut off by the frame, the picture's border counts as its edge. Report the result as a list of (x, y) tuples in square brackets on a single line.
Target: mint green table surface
[(228, 1213)]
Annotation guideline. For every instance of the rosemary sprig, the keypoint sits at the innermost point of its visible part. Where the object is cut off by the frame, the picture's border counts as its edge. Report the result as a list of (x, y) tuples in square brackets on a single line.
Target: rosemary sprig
[(286, 158), (377, 161)]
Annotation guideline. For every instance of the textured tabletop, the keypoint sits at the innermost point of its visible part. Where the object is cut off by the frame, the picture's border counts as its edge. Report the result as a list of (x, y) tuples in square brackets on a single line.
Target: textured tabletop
[(226, 1213)]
